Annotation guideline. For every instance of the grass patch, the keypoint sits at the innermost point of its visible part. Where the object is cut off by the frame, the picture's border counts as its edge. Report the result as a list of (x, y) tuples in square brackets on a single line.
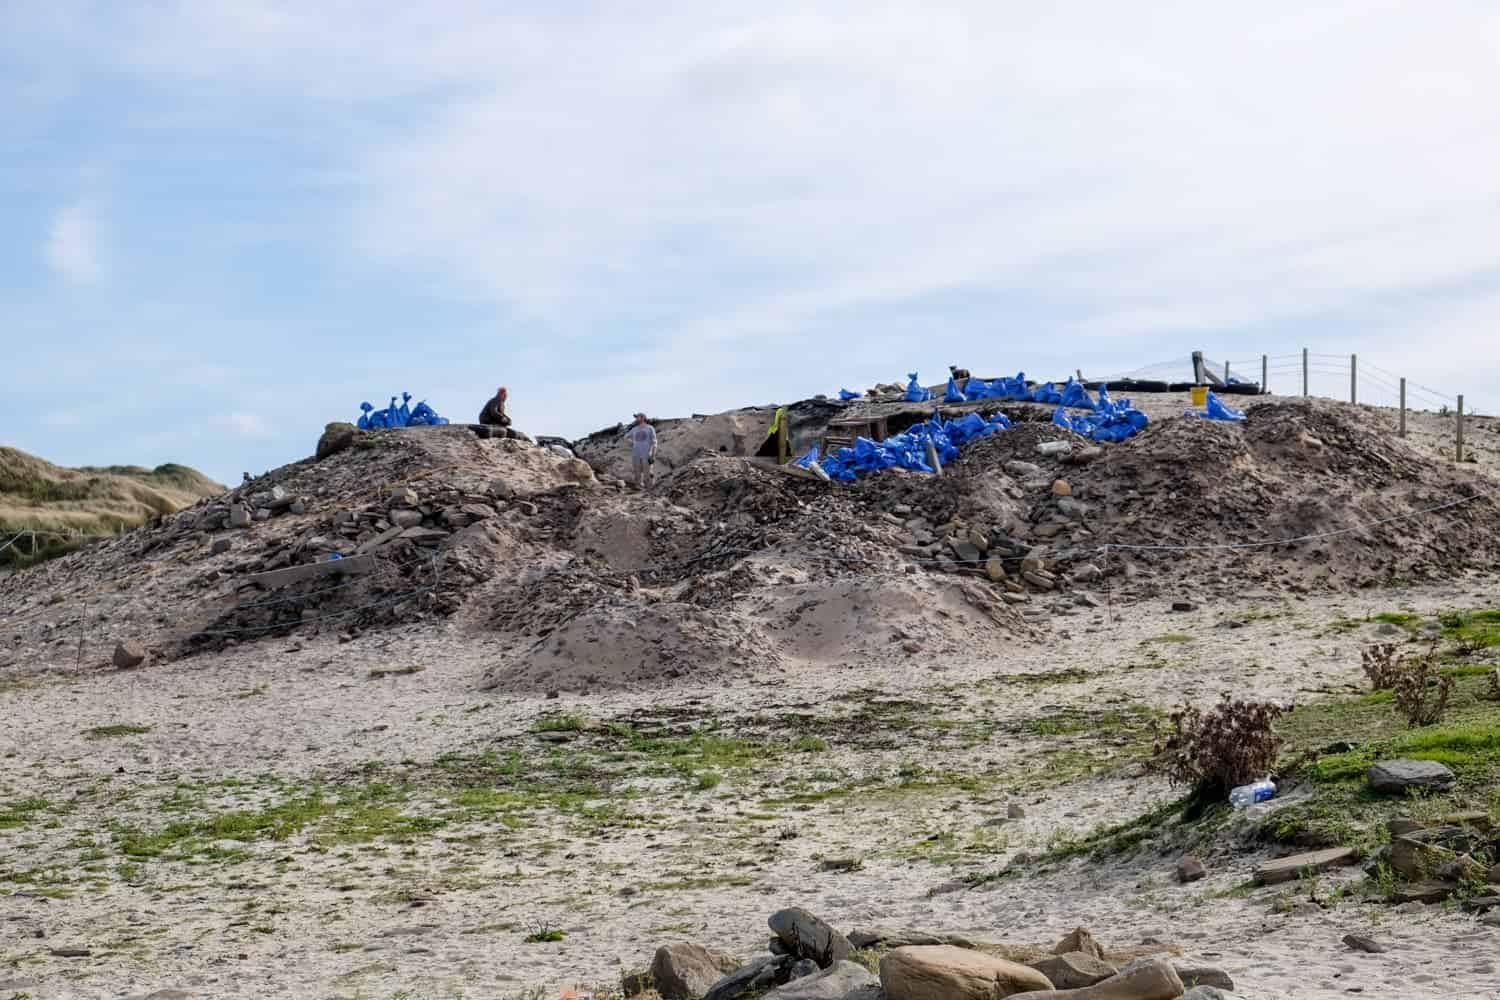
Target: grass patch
[(20, 812), (544, 934), (559, 723), (118, 729), (1169, 637), (380, 672)]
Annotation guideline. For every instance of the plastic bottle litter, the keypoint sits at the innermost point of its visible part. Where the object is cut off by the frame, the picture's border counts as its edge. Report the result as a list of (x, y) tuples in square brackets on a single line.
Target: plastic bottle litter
[(1055, 447), (1246, 795)]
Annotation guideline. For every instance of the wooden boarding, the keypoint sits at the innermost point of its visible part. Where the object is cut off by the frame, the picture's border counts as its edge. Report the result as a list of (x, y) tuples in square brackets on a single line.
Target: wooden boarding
[(842, 433), (296, 574), (1287, 869)]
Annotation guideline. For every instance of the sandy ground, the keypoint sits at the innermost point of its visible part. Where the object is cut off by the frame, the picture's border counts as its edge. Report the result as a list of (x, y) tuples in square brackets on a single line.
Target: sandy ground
[(903, 761)]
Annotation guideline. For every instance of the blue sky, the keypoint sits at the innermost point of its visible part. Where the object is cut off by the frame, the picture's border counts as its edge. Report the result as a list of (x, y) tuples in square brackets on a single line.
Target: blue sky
[(226, 224)]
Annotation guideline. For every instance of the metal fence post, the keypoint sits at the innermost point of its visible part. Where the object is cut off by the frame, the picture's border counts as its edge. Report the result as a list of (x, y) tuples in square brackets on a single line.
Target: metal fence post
[(1353, 379), (1458, 452), (1265, 374), (1401, 432), (1304, 371)]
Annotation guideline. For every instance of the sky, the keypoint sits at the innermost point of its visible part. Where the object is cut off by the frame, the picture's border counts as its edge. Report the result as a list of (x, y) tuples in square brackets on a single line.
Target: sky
[(226, 224)]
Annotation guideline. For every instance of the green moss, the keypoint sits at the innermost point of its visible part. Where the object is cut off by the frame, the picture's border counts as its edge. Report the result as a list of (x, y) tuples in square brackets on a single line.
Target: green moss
[(20, 812), (119, 729)]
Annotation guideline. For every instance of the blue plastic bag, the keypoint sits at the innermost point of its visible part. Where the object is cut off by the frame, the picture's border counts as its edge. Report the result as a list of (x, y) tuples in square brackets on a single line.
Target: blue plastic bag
[(846, 395), (952, 395), (809, 460), (1074, 395), (915, 393), (1217, 409), (1047, 393)]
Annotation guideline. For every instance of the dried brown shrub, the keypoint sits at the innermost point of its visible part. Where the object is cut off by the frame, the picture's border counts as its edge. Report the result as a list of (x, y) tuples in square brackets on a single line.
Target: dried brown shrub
[(1231, 744), (1422, 689), (1382, 665)]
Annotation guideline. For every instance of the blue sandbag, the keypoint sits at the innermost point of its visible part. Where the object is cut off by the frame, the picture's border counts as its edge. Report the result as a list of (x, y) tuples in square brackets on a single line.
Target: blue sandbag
[(404, 415), (914, 391), (846, 395), (1074, 395), (952, 395), (1047, 393), (807, 461), (1217, 409)]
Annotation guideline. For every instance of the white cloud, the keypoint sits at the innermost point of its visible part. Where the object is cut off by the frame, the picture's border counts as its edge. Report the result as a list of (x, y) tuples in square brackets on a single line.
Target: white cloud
[(246, 425), (73, 244)]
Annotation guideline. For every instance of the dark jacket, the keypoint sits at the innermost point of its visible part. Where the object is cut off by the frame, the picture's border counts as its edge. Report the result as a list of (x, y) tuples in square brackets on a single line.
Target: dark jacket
[(493, 413)]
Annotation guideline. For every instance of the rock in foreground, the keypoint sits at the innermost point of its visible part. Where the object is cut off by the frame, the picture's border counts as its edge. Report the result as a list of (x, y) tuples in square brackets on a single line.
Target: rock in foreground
[(943, 972)]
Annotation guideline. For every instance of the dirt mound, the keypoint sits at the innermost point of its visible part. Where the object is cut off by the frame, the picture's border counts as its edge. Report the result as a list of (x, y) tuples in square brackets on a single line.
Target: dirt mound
[(736, 568)]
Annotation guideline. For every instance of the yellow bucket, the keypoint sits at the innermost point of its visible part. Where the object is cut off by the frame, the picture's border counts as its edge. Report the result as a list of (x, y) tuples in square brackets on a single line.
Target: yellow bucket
[(1200, 395)]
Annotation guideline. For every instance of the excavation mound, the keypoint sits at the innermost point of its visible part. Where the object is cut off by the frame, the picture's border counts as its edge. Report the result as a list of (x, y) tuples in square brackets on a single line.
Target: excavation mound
[(737, 568)]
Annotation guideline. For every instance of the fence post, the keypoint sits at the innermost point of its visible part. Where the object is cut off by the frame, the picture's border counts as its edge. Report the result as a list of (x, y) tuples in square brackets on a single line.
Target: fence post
[(1265, 374), (1458, 452), (1304, 371), (1353, 379), (1401, 432), (1226, 373)]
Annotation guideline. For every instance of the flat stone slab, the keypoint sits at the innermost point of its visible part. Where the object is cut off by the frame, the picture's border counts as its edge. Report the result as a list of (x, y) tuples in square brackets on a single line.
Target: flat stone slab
[(1287, 869), (275, 578), (1396, 777)]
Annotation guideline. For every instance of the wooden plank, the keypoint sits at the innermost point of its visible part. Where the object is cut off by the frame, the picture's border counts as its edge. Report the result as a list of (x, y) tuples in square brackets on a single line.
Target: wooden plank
[(1287, 869), (275, 578)]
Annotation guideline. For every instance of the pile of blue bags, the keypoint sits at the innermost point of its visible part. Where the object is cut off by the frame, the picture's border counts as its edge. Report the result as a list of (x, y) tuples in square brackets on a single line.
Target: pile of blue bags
[(1105, 420), (907, 450), (1109, 421), (1216, 409), (420, 415)]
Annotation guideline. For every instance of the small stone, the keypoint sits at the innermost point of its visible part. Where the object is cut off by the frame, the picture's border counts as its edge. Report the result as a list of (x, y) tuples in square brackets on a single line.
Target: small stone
[(1015, 811), (686, 971), (1183, 606), (220, 546), (239, 516), (1074, 970), (405, 518), (1204, 975), (994, 569), (1060, 488), (1190, 869), (1397, 777), (1400, 826), (804, 967), (1491, 919), (70, 952), (841, 981), (808, 936), (403, 496), (637, 982), (912, 646), (1364, 944), (1079, 940), (298, 506), (1206, 993), (261, 514), (129, 654), (1040, 580)]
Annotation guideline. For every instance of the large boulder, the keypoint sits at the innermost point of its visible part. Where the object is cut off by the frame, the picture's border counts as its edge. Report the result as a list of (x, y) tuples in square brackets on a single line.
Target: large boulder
[(840, 981), (807, 936), (129, 654), (1400, 776), (685, 971), (943, 972), (1150, 979), (1079, 940)]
